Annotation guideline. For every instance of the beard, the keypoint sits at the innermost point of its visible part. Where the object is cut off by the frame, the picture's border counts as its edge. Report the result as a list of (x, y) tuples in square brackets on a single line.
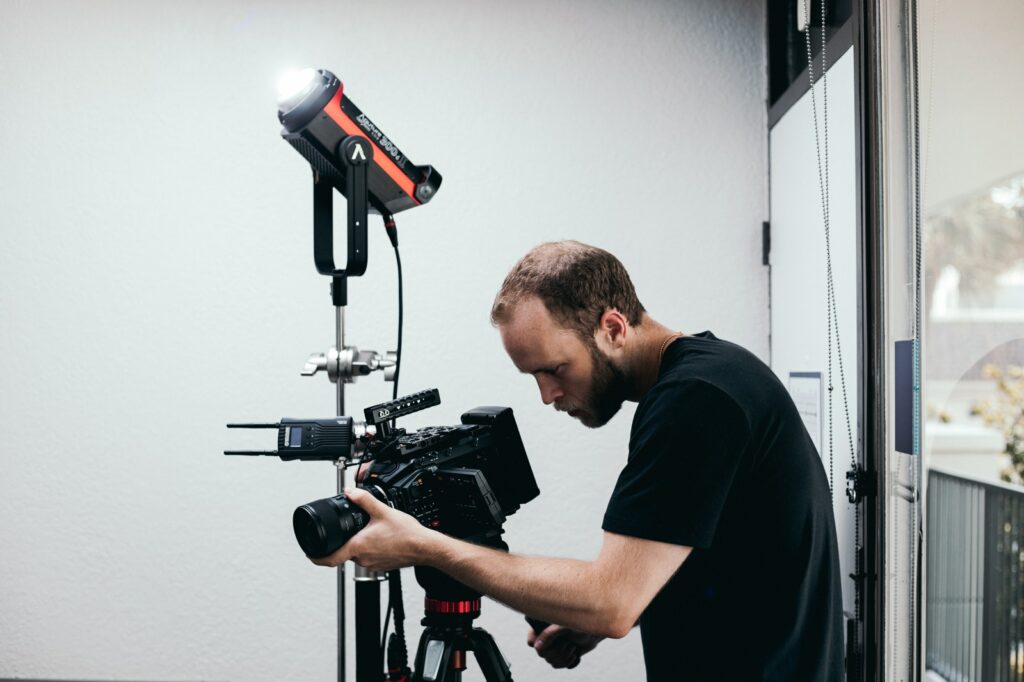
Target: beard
[(607, 392)]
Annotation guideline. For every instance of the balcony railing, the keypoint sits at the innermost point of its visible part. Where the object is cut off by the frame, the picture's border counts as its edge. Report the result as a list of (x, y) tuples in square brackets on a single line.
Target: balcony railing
[(975, 579)]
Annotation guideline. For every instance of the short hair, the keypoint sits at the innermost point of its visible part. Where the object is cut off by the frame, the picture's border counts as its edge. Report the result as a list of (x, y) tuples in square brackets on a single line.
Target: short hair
[(576, 282)]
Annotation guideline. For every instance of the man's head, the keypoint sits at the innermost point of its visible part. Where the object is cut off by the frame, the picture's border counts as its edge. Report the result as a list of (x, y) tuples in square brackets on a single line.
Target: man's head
[(566, 312)]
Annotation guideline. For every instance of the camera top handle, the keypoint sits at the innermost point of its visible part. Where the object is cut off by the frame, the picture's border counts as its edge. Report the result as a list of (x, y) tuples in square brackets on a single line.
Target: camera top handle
[(383, 414)]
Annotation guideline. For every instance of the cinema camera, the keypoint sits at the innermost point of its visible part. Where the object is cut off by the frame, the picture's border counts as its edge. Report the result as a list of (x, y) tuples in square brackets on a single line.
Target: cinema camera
[(460, 480)]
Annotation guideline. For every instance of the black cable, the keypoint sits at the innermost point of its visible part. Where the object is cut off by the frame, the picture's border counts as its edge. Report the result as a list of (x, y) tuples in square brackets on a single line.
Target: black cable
[(387, 619), (394, 605), (401, 315), (392, 232), (396, 594), (397, 650)]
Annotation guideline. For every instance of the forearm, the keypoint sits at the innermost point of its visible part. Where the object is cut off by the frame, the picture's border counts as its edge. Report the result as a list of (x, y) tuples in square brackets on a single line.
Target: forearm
[(602, 597), (569, 592)]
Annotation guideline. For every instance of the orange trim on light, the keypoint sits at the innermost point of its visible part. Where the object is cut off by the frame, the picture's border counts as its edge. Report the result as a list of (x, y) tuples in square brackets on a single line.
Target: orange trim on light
[(380, 157)]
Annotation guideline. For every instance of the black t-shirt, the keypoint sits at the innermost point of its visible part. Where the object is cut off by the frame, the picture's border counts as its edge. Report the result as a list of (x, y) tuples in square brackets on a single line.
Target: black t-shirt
[(719, 460)]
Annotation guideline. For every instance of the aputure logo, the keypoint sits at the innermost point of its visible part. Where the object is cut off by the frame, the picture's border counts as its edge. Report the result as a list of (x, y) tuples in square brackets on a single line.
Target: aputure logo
[(382, 141)]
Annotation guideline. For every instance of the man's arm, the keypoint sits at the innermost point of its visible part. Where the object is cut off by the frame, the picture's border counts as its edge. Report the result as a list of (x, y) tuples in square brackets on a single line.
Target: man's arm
[(604, 597)]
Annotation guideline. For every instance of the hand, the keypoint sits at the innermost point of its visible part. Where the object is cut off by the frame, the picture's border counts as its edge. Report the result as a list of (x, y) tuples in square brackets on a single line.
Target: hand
[(560, 646), (361, 472), (392, 539)]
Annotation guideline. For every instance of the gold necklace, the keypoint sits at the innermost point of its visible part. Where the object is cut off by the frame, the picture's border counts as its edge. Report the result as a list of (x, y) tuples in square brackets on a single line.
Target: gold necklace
[(665, 344)]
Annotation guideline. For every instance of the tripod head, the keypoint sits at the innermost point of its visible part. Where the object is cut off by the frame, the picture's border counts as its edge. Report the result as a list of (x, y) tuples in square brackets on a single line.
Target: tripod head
[(448, 635), (444, 592)]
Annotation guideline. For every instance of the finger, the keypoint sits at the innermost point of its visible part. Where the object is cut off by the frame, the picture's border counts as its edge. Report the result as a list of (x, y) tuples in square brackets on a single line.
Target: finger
[(344, 553), (555, 653), (556, 657), (367, 502), (548, 636), (331, 560), (562, 657), (558, 651), (531, 637), (364, 468), (567, 663)]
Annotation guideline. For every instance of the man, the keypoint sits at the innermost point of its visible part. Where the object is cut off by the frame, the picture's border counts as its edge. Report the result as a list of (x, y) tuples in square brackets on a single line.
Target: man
[(718, 539)]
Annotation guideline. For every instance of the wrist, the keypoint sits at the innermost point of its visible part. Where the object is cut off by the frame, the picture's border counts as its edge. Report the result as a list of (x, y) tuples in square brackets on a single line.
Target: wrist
[(429, 547)]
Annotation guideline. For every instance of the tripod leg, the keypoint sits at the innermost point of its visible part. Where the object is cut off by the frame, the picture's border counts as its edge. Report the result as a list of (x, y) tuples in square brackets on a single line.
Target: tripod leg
[(488, 656), (434, 659), (369, 655), (421, 649)]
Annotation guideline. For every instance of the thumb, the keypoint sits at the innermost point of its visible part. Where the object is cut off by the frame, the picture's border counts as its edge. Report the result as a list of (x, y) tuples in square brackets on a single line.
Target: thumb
[(551, 634), (365, 501)]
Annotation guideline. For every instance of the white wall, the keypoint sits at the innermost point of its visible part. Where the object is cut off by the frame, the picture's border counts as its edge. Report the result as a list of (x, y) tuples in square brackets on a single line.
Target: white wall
[(156, 281)]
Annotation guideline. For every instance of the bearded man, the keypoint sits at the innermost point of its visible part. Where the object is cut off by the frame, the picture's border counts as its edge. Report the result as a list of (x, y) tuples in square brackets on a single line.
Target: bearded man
[(719, 538)]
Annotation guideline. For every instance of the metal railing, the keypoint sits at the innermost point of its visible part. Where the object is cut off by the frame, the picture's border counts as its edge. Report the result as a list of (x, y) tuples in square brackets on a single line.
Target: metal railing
[(975, 579)]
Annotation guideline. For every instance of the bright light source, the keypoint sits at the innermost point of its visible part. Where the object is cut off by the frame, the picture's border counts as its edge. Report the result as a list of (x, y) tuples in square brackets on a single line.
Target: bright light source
[(293, 85)]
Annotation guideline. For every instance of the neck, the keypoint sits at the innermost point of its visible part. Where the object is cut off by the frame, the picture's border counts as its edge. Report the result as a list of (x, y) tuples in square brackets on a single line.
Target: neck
[(645, 359)]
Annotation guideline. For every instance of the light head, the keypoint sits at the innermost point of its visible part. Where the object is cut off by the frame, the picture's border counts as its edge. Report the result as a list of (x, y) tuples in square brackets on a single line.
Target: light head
[(298, 87), (318, 121)]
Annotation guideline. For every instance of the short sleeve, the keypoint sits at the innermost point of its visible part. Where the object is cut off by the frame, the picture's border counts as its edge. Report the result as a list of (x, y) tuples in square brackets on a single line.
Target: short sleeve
[(688, 440)]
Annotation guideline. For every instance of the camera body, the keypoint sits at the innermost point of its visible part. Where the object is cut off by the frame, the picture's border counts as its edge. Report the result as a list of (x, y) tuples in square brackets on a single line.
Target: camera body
[(462, 480)]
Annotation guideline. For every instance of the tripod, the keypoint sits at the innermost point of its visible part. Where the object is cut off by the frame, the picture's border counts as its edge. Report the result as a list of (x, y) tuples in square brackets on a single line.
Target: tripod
[(448, 633)]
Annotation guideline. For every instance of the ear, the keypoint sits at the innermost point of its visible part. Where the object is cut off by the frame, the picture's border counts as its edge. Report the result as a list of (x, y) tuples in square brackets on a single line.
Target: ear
[(612, 329)]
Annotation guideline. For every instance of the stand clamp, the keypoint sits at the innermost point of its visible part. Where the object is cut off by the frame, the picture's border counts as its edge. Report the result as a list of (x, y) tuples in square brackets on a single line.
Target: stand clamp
[(351, 363)]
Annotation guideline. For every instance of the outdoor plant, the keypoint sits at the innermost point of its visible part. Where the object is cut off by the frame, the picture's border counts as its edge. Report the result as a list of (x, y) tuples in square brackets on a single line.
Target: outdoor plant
[(1005, 411)]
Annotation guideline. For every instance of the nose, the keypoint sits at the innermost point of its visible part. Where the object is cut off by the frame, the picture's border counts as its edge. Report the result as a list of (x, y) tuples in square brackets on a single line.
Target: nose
[(550, 391)]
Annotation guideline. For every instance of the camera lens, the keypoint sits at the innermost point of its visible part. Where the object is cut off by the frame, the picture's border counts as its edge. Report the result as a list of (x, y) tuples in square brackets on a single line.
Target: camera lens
[(321, 527)]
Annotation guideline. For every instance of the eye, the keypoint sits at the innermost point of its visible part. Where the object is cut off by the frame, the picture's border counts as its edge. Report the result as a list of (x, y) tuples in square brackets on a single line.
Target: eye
[(551, 371)]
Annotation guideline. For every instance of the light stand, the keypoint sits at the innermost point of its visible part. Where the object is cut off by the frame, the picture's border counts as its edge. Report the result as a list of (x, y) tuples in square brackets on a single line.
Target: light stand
[(347, 152), (344, 364)]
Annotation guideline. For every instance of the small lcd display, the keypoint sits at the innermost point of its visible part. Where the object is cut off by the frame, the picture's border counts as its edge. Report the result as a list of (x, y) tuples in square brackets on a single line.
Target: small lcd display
[(295, 437)]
